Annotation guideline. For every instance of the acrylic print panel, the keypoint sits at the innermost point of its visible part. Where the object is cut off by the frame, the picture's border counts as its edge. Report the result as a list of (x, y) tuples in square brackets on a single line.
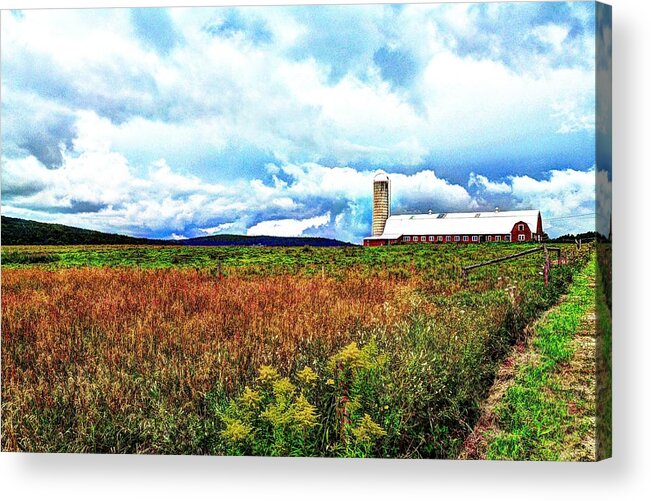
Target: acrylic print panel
[(340, 231)]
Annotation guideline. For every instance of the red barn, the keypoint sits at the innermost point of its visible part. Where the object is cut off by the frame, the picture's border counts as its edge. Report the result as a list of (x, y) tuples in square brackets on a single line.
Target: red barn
[(460, 227), (457, 227)]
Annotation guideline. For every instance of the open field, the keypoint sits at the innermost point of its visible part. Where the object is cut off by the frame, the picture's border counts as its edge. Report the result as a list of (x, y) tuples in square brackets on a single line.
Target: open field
[(281, 351)]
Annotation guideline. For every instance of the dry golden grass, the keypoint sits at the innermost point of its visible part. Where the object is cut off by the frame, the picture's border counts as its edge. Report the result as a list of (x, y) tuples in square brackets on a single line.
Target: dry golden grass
[(89, 338)]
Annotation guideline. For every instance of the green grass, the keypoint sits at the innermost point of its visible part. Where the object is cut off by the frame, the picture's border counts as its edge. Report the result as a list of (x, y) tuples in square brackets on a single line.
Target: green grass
[(267, 260), (534, 412)]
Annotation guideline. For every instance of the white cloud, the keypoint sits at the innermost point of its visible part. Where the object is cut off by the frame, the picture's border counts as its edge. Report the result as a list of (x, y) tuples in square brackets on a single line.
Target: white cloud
[(98, 188), (482, 182), (217, 229), (288, 227), (182, 103), (552, 34), (149, 127), (565, 192), (573, 117)]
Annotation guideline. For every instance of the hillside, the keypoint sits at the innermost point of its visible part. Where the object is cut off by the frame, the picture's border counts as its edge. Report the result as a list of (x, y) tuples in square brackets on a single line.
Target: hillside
[(17, 231), (263, 240)]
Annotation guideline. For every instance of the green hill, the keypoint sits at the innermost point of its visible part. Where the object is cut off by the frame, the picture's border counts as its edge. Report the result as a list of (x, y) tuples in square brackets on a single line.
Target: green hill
[(17, 231)]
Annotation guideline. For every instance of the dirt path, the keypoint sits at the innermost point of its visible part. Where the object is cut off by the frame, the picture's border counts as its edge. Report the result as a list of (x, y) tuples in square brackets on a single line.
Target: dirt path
[(570, 388)]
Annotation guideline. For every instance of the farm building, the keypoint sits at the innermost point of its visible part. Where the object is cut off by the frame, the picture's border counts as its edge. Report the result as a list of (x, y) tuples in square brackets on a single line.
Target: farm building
[(446, 227)]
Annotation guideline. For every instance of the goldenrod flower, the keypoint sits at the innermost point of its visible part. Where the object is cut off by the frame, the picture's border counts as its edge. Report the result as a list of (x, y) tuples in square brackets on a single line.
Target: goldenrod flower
[(367, 430), (348, 356), (276, 414), (307, 375), (304, 413), (250, 398), (283, 388), (267, 374), (236, 431)]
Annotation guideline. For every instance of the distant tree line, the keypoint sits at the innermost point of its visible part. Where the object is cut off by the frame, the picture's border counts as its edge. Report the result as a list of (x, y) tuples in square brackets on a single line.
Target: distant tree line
[(17, 231)]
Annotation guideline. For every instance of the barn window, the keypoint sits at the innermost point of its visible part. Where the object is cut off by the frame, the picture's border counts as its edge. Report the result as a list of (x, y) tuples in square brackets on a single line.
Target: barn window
[(457, 238), (431, 239), (521, 238), (497, 238), (507, 238), (448, 238), (440, 238), (406, 239), (521, 227), (489, 238), (475, 238), (423, 239), (465, 238)]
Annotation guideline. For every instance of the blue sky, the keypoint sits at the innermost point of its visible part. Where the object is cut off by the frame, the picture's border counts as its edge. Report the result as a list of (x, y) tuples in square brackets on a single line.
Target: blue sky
[(193, 121)]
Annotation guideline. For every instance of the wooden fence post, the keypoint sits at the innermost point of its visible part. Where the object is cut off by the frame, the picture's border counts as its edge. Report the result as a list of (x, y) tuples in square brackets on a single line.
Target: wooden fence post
[(546, 265)]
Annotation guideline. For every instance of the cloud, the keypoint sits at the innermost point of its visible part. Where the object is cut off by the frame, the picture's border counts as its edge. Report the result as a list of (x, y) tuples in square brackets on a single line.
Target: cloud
[(173, 121), (288, 227), (99, 188), (573, 118), (483, 183), (217, 229), (566, 198), (395, 96)]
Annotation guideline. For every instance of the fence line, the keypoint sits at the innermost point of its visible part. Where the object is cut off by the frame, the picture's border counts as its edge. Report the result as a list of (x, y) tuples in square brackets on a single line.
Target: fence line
[(542, 248)]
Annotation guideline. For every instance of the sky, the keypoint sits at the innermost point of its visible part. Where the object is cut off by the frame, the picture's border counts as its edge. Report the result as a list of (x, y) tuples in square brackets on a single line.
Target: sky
[(184, 122)]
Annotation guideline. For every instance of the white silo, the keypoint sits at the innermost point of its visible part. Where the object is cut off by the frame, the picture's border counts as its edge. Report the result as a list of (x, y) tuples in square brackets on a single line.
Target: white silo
[(381, 202)]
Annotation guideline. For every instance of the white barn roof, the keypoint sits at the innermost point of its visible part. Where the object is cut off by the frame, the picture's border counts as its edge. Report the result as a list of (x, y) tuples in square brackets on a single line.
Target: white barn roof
[(457, 223)]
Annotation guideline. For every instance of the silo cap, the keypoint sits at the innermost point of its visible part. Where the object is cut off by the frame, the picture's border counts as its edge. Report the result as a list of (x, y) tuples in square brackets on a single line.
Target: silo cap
[(381, 176)]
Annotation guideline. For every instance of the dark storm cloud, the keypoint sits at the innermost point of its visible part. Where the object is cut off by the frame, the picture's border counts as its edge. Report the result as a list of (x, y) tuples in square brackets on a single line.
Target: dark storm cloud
[(12, 188), (45, 142), (29, 128)]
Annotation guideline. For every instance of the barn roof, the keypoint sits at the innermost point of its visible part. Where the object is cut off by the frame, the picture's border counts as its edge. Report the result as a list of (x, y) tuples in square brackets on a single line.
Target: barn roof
[(457, 223)]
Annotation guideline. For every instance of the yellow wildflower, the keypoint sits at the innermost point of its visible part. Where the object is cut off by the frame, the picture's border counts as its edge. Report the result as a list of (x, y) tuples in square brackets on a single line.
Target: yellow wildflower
[(277, 414), (283, 388), (250, 398), (267, 374), (348, 356), (367, 430), (330, 381), (303, 413), (236, 431), (307, 376)]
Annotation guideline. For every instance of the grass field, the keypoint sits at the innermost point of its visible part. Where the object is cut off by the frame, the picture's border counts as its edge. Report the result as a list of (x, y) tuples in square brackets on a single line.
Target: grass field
[(353, 351)]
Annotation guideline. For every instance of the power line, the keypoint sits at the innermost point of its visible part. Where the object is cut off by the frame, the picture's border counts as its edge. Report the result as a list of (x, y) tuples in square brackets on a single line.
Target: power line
[(571, 217)]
